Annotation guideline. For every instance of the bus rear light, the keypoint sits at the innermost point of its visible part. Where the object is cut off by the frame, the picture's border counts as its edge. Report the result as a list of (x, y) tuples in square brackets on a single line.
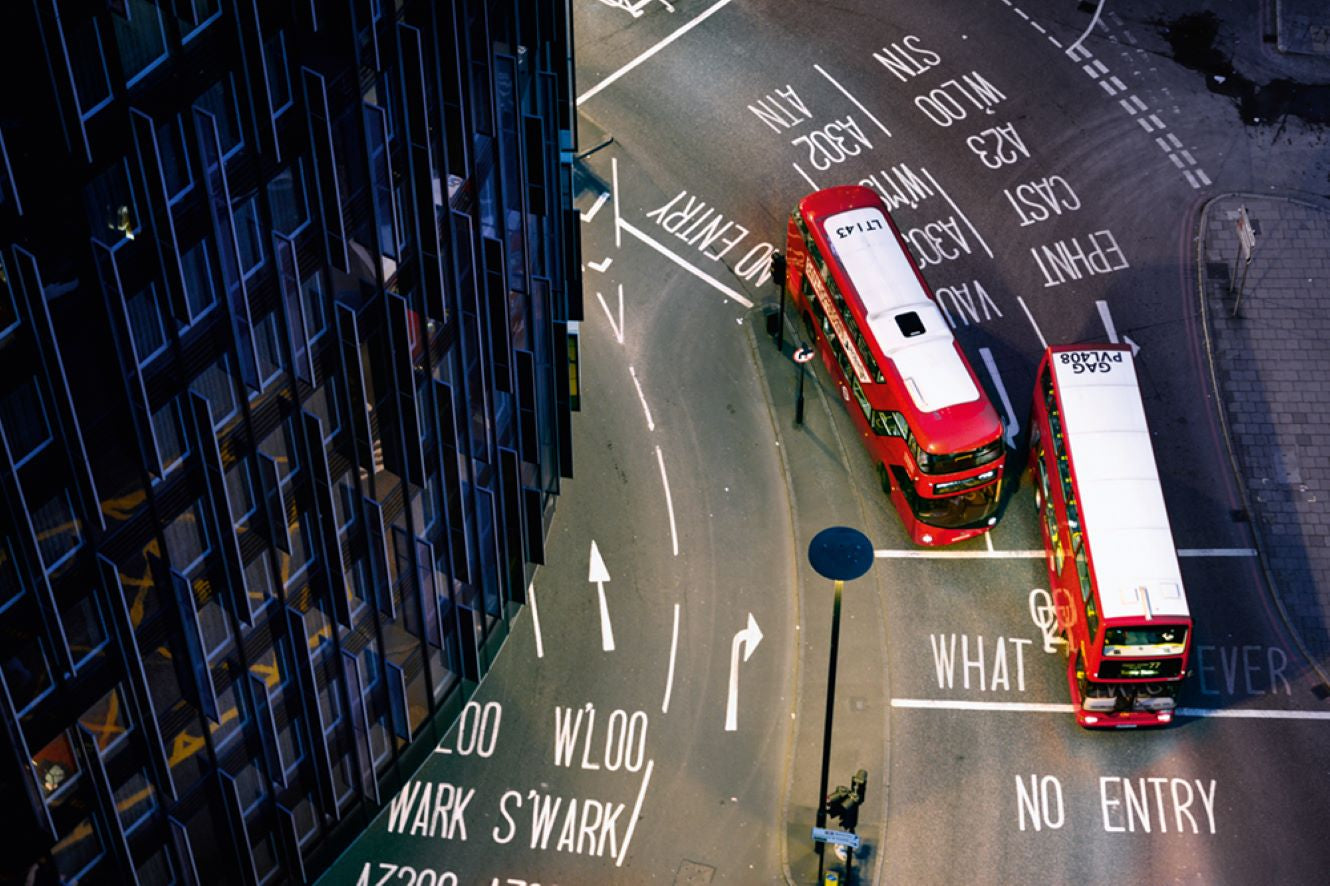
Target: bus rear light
[(926, 539), (1165, 717)]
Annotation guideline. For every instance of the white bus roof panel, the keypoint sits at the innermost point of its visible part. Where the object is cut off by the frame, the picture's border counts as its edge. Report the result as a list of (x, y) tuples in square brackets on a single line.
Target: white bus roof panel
[(883, 275), (1121, 505)]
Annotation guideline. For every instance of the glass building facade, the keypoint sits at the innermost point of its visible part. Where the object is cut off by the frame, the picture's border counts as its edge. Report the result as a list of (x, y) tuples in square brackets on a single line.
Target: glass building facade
[(288, 300)]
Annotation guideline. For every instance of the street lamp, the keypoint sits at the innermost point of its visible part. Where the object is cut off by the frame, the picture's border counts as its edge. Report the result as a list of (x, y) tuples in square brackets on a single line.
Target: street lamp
[(841, 554), (778, 276)]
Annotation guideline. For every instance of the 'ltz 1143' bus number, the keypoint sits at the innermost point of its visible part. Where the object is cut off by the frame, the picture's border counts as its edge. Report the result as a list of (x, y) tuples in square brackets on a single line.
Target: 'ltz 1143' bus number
[(872, 224), (1090, 361)]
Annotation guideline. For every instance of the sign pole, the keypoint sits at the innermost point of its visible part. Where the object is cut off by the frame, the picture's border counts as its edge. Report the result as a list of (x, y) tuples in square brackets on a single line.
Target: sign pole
[(1246, 242), (802, 355)]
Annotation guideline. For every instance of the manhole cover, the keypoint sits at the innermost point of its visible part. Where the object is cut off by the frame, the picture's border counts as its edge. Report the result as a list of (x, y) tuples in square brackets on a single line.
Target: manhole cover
[(693, 872)]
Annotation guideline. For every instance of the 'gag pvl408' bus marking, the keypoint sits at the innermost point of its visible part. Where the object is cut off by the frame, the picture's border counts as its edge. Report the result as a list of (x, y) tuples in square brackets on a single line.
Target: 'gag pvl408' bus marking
[(1127, 805), (1090, 361)]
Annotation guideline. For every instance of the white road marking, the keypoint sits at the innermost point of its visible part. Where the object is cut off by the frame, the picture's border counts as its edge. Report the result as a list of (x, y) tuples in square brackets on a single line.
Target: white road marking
[(614, 185), (1043, 343), (669, 502), (702, 275), (601, 265), (535, 620), (1029, 707), (858, 104), (956, 209), (1191, 179), (617, 327), (799, 169), (720, 4), (1135, 348), (1108, 320), (1093, 22), (674, 648), (637, 810), (1013, 424), (932, 554), (595, 207), (1200, 173), (597, 572), (745, 640), (651, 425)]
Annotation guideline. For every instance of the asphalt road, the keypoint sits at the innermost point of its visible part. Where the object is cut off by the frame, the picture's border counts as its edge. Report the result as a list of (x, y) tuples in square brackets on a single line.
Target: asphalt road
[(1051, 198)]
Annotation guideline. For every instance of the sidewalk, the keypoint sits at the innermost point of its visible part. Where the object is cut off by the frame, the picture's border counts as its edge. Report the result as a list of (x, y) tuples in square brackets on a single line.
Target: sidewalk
[(1271, 369)]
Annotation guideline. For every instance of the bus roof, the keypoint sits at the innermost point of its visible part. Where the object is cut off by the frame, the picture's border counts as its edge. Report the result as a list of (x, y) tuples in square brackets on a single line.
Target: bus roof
[(1121, 505), (915, 347)]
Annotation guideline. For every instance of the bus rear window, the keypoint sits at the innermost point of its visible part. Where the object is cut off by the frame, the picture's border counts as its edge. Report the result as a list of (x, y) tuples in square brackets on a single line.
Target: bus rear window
[(1146, 640)]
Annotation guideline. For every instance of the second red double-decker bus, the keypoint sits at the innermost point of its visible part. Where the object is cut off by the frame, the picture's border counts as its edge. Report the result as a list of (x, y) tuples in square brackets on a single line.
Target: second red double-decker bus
[(930, 428), (1115, 582)]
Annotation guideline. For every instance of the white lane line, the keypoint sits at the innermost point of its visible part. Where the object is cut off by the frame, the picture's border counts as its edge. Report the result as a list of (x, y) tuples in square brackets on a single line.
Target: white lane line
[(595, 207), (931, 554), (958, 705), (799, 169), (1108, 320), (1200, 173), (669, 502), (1032, 707), (702, 275), (674, 648), (1043, 343), (651, 425), (535, 620), (1130, 108), (1191, 179), (1013, 425), (637, 810), (652, 51), (1035, 707), (858, 104), (988, 540), (601, 265), (617, 327), (1253, 713), (614, 178), (956, 209)]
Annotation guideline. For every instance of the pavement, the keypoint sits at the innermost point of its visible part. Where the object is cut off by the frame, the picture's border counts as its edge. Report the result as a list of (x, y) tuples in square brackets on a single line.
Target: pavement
[(1268, 339)]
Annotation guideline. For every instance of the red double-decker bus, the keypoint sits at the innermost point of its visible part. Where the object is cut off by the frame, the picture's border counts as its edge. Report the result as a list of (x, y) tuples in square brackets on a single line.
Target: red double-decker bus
[(1115, 583), (930, 428)]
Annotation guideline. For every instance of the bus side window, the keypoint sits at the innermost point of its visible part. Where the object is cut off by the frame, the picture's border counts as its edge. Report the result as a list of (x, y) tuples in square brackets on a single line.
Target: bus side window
[(887, 424), (1087, 589)]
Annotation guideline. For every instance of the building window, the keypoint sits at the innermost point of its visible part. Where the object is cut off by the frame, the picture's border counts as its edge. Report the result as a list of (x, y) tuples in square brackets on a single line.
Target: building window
[(23, 415), (311, 294), (141, 39), (239, 491), (249, 236), (26, 671), (302, 549), (279, 77), (87, 65), (169, 429), (220, 101), (145, 324), (280, 445), (157, 870), (11, 585), (266, 341), (200, 291), (214, 627), (111, 206), (195, 15), (136, 800), (85, 631), (55, 766), (58, 531), (323, 404), (286, 199), (216, 385), (187, 539), (107, 721), (258, 581), (8, 313), (80, 849), (231, 711), (174, 153)]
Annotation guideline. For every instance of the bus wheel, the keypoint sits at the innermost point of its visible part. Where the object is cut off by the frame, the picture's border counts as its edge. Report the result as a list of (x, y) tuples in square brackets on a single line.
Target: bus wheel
[(884, 477)]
